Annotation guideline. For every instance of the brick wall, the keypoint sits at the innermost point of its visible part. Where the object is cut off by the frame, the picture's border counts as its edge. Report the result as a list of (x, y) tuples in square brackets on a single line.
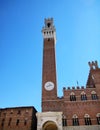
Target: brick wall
[(18, 118)]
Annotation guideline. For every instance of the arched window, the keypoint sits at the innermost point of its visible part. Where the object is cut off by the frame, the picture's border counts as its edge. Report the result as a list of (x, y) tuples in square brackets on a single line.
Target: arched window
[(72, 96), (17, 122), (98, 118), (9, 121), (94, 95), (25, 121), (75, 120), (2, 123), (83, 96), (64, 121), (11, 112), (87, 119)]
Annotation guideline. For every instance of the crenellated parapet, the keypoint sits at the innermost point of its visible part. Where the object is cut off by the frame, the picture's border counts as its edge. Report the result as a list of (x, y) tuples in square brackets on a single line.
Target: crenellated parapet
[(94, 75), (74, 88), (79, 93), (93, 65)]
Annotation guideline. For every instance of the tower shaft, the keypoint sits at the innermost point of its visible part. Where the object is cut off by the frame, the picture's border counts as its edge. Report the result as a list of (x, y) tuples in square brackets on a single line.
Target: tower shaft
[(49, 81)]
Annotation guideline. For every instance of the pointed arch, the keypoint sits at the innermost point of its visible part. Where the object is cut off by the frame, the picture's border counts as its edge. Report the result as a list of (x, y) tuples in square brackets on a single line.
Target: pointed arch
[(93, 92), (82, 93), (94, 95), (87, 119), (83, 96), (72, 93), (98, 118), (75, 120), (72, 96), (86, 115), (74, 116), (98, 115), (64, 120)]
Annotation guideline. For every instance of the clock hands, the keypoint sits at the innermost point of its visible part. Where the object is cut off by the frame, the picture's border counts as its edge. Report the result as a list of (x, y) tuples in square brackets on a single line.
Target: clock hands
[(49, 85)]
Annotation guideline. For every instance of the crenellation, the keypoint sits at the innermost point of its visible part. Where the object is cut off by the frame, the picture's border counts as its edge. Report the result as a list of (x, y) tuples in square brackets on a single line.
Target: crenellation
[(68, 88), (64, 88), (82, 87), (93, 65), (73, 87), (78, 87)]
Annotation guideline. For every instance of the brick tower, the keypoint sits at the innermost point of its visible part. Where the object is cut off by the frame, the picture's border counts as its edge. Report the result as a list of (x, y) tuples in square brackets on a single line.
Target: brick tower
[(49, 82)]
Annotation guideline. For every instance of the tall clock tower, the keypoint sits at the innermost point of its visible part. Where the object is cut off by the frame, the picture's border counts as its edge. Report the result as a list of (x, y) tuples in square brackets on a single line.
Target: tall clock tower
[(49, 82)]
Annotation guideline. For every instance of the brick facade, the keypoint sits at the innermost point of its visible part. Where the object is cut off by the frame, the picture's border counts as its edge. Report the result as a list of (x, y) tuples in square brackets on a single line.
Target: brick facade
[(18, 118)]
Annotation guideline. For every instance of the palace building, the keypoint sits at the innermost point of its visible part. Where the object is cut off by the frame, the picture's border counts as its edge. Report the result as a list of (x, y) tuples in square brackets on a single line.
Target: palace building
[(79, 107)]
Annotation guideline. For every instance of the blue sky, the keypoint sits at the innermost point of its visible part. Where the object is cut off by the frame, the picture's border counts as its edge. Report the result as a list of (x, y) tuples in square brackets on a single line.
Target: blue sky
[(77, 25)]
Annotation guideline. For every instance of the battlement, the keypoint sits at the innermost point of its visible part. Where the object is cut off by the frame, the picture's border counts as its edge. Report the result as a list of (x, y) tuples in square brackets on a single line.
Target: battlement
[(93, 65), (94, 74), (80, 93), (74, 87)]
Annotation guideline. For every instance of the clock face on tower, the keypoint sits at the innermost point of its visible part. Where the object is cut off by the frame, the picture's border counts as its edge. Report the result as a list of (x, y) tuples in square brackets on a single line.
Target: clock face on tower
[(49, 86)]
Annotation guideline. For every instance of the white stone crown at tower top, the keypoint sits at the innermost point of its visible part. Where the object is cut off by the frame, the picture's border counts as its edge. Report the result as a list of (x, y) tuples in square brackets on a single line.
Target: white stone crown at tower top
[(49, 30)]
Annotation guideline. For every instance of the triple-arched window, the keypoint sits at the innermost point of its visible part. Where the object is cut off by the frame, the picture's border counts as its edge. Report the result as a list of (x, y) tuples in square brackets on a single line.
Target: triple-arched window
[(98, 118), (75, 120), (64, 121), (87, 119), (94, 95), (72, 96), (83, 96)]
